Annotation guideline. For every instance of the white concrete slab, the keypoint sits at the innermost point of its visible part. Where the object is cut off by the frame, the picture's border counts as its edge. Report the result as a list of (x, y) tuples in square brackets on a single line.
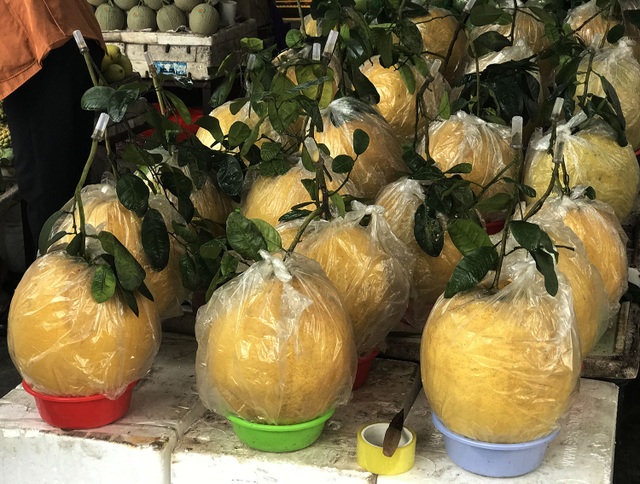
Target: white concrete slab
[(136, 449), (582, 453)]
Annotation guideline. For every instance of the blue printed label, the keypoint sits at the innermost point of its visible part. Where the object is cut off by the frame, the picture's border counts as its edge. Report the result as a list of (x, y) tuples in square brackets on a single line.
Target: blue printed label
[(169, 67)]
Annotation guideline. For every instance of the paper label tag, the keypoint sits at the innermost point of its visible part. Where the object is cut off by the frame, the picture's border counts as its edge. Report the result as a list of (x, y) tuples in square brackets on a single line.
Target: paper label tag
[(171, 67)]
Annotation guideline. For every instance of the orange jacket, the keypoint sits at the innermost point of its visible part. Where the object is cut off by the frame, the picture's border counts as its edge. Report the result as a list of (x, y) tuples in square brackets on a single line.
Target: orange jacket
[(32, 28)]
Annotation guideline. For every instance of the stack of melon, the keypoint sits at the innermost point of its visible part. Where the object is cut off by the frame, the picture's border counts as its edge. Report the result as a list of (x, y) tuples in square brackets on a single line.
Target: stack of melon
[(201, 17)]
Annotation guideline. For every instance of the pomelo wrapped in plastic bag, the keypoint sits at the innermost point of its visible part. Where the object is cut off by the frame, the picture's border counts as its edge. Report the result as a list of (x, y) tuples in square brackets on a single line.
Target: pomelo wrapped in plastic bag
[(275, 344)]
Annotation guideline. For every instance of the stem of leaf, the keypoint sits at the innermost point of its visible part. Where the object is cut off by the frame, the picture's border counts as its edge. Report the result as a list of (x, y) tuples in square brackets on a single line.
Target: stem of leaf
[(77, 195), (303, 227)]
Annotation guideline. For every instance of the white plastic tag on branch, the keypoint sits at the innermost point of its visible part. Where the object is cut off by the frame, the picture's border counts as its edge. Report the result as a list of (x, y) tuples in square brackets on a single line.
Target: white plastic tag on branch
[(251, 62), (101, 126), (317, 52), (82, 45), (516, 132), (558, 152), (469, 6), (312, 149), (435, 67), (577, 119), (279, 269), (329, 47), (557, 108)]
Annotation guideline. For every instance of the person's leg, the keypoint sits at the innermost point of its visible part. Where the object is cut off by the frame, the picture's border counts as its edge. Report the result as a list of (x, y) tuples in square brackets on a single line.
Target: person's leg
[(50, 133)]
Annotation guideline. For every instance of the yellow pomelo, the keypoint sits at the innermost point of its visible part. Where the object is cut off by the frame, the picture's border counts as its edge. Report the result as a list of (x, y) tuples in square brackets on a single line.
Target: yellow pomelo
[(212, 203), (464, 138), (618, 65), (501, 367), (271, 197), (104, 211), (301, 74), (430, 274), (65, 343), (275, 352), (381, 163), (592, 158), (373, 283), (591, 24), (397, 105), (437, 29), (600, 234)]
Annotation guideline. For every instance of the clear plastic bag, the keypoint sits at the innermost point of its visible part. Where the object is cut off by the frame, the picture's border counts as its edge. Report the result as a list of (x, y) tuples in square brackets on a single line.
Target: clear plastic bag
[(502, 366), (592, 158), (397, 105), (369, 266), (103, 211), (381, 163), (465, 138), (618, 65), (66, 344), (275, 344), (430, 274), (590, 26)]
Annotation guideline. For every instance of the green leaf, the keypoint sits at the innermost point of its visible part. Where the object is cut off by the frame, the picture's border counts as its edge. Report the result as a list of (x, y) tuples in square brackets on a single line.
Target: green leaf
[(118, 104), (410, 36), (221, 93), (184, 232), (186, 208), (133, 193), (407, 76), (428, 232), (155, 240), (144, 290), (484, 14), (129, 272), (180, 106), (338, 202), (103, 284), (307, 162), (590, 193), (531, 236), (342, 164), (212, 125), (615, 33), (188, 272), (269, 234), (96, 98), (270, 150), (228, 265), (274, 167), (133, 153), (294, 39), (227, 65), (471, 270), (633, 16), (311, 187), (546, 266), (73, 248), (251, 44), (467, 236), (174, 180), (360, 141), (244, 236), (444, 110), (491, 41), (460, 168), (294, 215), (230, 176), (130, 300), (43, 240), (612, 97), (238, 133), (211, 249), (499, 201)]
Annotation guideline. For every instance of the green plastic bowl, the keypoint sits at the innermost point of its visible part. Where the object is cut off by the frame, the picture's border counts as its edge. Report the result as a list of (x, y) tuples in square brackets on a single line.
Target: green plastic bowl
[(279, 438)]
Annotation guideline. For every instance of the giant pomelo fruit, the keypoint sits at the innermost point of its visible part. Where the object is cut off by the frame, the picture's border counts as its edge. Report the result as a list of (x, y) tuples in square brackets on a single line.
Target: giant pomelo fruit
[(64, 343), (381, 163), (275, 352), (501, 366)]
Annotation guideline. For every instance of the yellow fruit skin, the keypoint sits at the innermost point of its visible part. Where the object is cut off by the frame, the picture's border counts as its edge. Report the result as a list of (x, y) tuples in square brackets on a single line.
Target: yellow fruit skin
[(500, 368), (64, 343), (373, 283), (430, 274), (464, 138), (437, 29), (274, 352), (605, 249), (271, 197), (397, 105), (592, 158), (103, 211), (381, 163)]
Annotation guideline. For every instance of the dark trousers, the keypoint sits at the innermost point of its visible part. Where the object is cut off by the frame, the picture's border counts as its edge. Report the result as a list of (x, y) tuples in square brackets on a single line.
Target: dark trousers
[(50, 132)]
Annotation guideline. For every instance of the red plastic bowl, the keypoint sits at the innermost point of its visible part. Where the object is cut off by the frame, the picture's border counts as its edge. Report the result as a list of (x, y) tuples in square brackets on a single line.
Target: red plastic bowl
[(80, 412), (364, 367)]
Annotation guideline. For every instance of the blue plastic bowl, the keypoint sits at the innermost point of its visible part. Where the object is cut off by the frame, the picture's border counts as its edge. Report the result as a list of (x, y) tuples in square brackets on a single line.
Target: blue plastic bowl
[(494, 460)]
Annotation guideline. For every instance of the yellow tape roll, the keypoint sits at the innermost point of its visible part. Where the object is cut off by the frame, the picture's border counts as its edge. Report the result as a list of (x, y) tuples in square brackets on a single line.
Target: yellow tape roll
[(369, 450)]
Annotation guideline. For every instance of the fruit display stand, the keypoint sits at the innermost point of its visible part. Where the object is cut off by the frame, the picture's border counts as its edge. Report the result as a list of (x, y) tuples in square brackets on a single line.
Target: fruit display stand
[(169, 437)]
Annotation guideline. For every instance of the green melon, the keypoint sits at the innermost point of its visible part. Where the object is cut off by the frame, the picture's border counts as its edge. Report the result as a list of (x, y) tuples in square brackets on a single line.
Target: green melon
[(96, 3), (170, 17), (153, 4), (126, 5), (204, 19), (141, 17), (187, 5), (110, 17)]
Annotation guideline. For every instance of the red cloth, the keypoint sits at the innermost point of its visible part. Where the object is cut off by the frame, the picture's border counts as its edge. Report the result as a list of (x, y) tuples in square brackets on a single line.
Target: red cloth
[(196, 113)]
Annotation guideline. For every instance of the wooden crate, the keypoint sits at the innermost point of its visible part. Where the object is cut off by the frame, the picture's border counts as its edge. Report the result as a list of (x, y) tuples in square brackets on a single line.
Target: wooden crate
[(182, 53)]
